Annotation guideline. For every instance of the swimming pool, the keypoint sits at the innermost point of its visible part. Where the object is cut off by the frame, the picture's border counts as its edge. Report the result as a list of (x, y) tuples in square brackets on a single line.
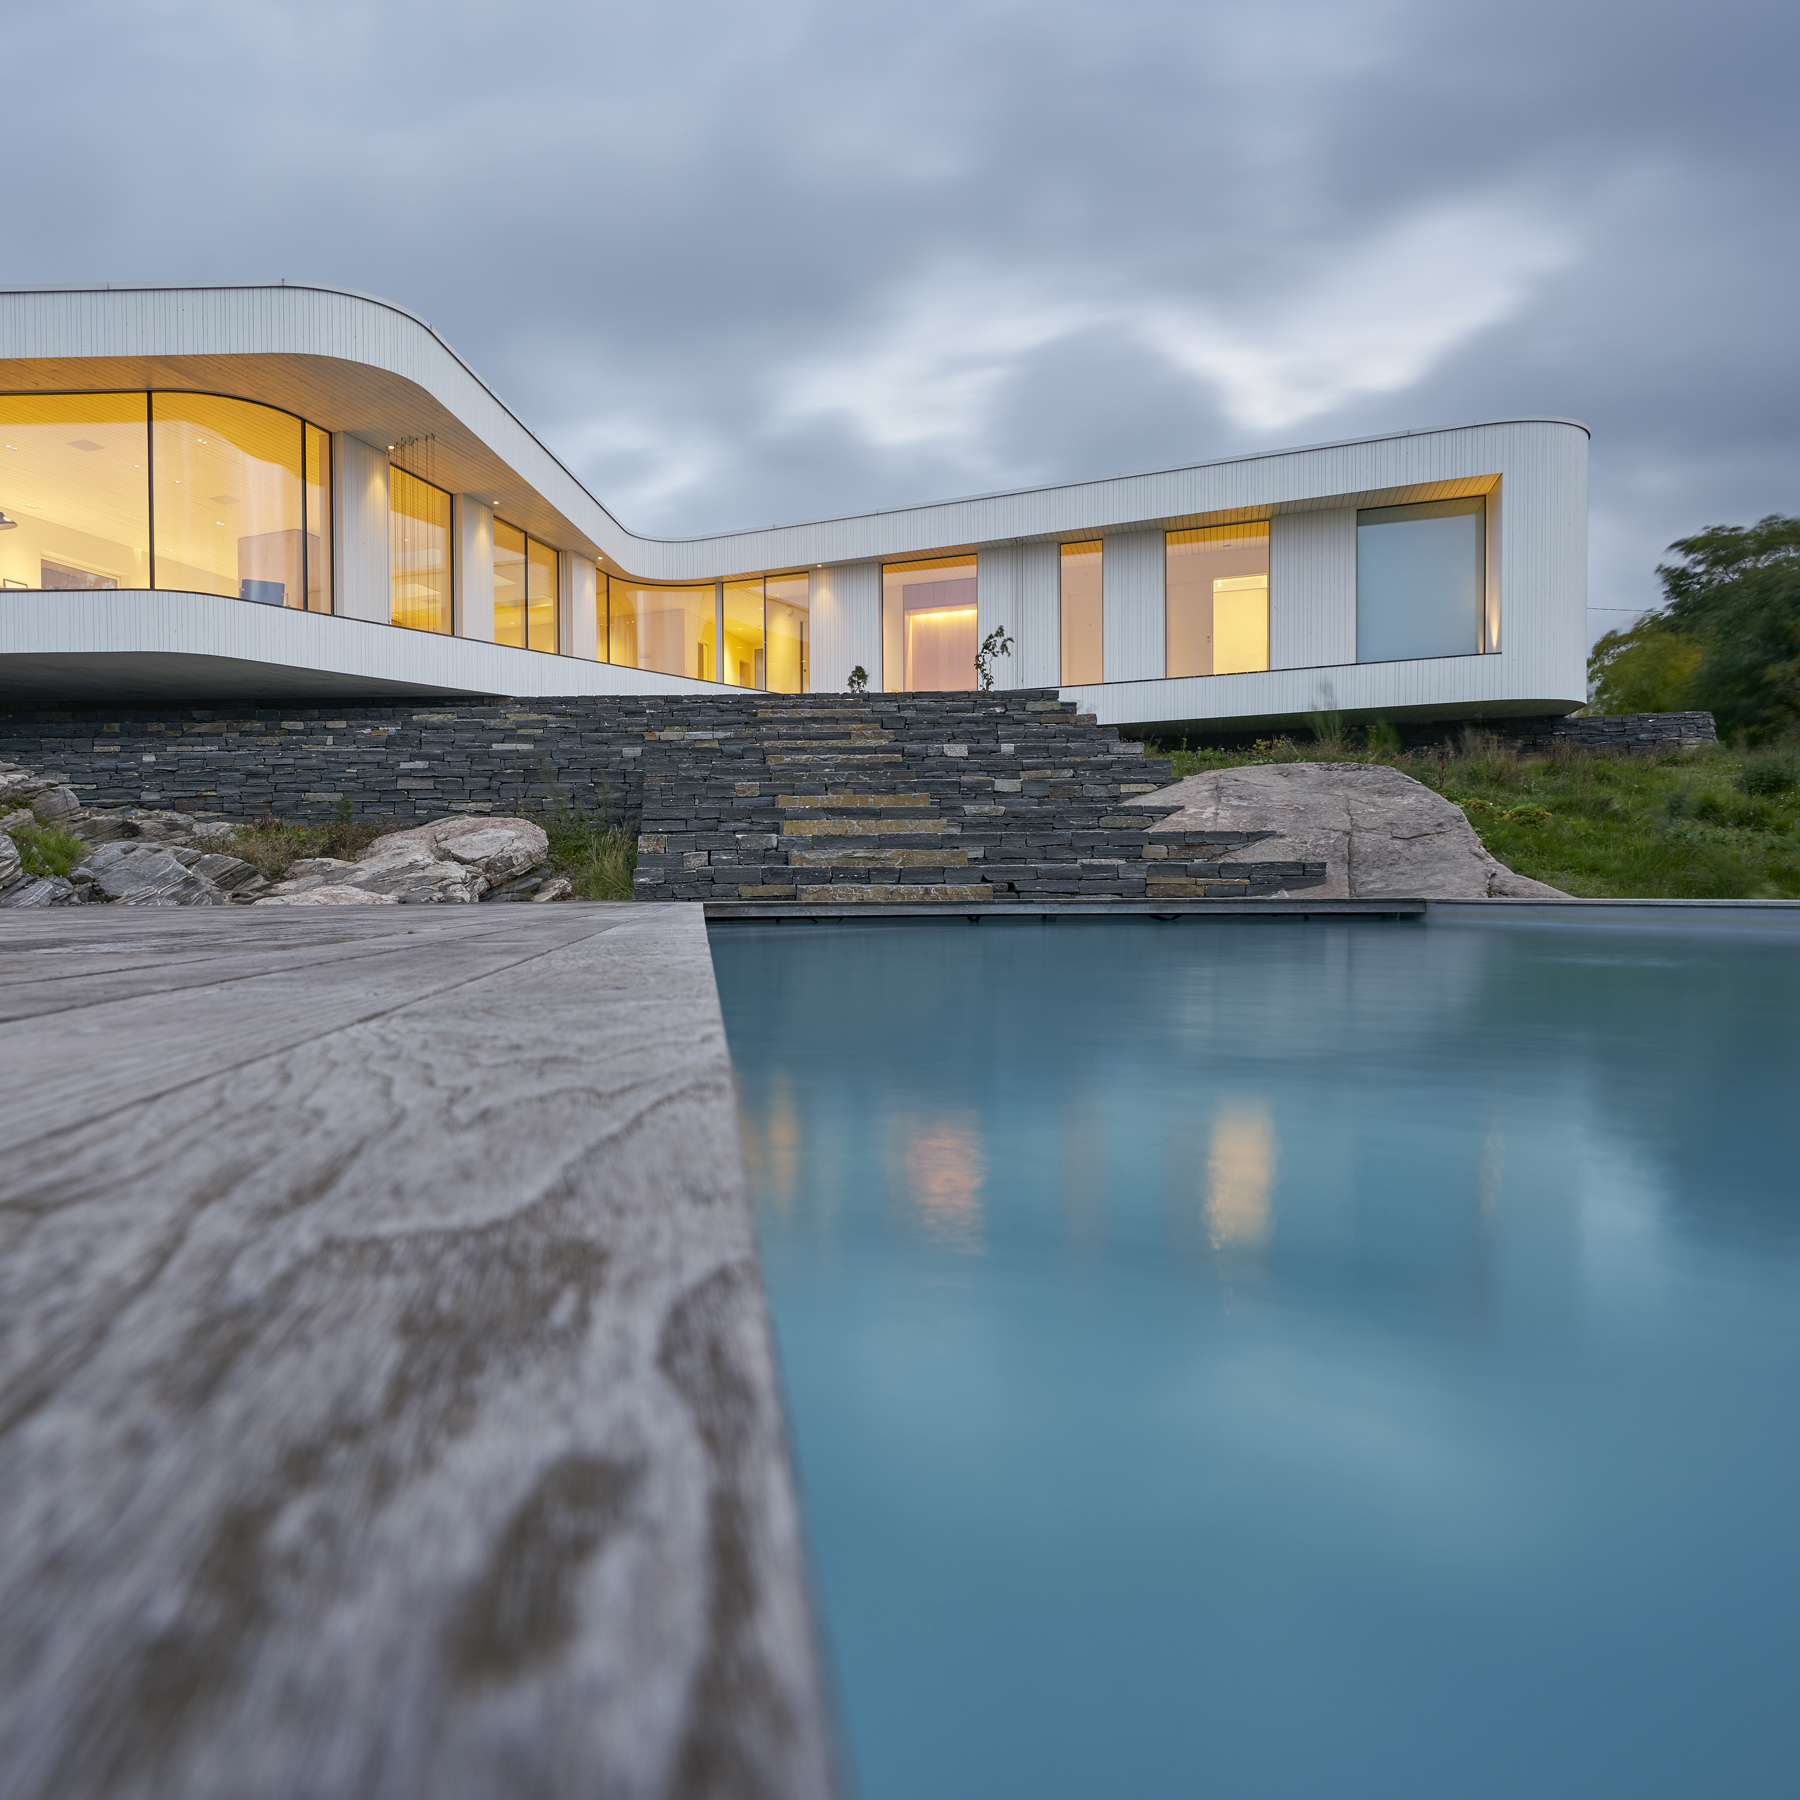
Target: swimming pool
[(1268, 1358)]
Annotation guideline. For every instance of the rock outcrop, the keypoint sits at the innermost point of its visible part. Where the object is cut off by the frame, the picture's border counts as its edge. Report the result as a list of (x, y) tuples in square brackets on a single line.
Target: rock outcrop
[(1380, 834), (145, 857)]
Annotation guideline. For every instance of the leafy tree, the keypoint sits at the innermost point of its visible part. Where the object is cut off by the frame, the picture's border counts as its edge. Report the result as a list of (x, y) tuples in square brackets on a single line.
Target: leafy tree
[(1645, 668), (1728, 640)]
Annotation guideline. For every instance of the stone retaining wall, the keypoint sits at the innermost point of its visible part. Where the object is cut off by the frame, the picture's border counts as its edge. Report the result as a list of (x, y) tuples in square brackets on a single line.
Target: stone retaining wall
[(1615, 733)]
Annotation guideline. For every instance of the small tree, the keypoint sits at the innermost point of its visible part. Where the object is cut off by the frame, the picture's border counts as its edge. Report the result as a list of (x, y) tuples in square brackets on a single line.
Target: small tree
[(859, 680), (994, 646)]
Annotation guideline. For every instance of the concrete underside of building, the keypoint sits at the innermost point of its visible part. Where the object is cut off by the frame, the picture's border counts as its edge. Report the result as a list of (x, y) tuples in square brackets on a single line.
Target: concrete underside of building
[(293, 494)]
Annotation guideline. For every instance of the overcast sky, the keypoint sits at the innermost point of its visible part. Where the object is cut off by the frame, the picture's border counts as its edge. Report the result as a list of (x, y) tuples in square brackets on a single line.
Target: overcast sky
[(740, 264)]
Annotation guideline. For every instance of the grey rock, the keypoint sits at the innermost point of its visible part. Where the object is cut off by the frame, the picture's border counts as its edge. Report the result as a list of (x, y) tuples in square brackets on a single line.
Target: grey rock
[(327, 893), (1379, 833), (131, 874), (560, 888), (499, 848), (230, 874), (415, 877), (40, 890), (55, 805), (10, 868), (323, 866)]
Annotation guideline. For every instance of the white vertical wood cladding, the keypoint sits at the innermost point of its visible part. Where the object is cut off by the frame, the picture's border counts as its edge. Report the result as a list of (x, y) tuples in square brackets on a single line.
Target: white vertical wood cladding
[(581, 580), (474, 527), (1312, 588), (1037, 656), (365, 558), (1132, 568), (997, 603), (846, 625)]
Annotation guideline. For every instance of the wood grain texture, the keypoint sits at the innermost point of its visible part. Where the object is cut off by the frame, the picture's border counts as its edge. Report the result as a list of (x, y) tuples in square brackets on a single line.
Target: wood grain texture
[(386, 1398)]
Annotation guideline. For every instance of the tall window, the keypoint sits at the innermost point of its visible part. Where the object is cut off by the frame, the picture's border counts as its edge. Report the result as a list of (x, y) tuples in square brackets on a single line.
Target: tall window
[(418, 553), (928, 625), (788, 659), (668, 629), (742, 654), (526, 577), (1421, 580), (228, 497), (541, 577), (1217, 600), (74, 480), (1082, 614)]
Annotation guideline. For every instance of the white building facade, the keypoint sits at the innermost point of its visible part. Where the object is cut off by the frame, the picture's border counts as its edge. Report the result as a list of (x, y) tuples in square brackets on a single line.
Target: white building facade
[(294, 492)]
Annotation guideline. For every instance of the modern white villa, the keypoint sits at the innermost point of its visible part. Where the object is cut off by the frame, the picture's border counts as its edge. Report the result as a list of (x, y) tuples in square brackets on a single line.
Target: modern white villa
[(293, 492)]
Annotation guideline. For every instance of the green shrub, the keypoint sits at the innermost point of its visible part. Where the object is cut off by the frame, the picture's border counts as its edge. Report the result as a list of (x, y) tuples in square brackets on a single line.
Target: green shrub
[(44, 850), (1774, 774), (598, 857)]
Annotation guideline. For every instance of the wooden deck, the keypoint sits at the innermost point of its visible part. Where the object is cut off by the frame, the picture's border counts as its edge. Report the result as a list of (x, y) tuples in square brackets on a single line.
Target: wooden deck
[(386, 1399)]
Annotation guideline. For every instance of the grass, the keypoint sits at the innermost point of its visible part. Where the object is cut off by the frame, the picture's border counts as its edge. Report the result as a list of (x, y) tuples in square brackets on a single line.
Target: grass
[(273, 845), (44, 850), (598, 857), (1716, 823)]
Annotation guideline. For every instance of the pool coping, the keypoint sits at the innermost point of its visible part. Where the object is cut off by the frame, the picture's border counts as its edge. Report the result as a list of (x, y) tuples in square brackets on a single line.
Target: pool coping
[(727, 911), (420, 1234)]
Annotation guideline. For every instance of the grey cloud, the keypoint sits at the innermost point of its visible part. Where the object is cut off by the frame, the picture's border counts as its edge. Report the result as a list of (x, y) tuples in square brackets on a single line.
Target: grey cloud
[(1047, 241)]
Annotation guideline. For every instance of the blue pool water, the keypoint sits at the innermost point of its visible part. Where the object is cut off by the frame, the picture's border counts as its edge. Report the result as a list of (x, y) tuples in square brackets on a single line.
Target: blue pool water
[(1265, 1358)]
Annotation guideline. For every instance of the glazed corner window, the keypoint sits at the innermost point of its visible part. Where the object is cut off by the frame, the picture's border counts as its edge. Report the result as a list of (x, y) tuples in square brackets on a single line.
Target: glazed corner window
[(787, 658), (1082, 614), (527, 577), (1421, 580), (928, 625), (667, 629), (241, 492), (418, 553), (229, 499), (1217, 600)]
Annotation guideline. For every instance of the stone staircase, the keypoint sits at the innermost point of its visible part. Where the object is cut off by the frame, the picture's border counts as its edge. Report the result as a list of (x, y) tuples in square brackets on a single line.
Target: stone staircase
[(919, 799)]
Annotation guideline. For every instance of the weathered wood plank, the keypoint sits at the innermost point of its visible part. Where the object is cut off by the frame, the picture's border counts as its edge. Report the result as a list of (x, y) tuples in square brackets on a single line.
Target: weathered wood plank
[(394, 1414)]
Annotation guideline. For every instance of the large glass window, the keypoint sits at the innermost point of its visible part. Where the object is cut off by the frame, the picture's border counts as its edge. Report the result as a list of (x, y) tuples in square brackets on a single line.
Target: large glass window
[(509, 585), (928, 625), (318, 520), (668, 629), (743, 662), (228, 498), (1421, 580), (788, 660), (1082, 614), (419, 553), (541, 573), (1216, 617), (74, 481)]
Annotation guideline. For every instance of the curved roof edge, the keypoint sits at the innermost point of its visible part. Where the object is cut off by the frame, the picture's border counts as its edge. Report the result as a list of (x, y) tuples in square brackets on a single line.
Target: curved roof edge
[(709, 537)]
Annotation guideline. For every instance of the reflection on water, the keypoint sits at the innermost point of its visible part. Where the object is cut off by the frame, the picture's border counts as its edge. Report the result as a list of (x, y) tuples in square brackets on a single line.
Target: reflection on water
[(942, 1160), (1188, 1403), (1239, 1169)]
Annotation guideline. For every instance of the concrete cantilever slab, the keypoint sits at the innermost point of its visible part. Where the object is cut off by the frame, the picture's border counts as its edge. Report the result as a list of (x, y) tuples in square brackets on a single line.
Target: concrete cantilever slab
[(387, 1406)]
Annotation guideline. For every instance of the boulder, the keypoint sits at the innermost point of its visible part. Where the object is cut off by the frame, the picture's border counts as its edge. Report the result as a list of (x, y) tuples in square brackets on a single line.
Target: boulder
[(56, 806), (499, 848), (11, 872), (415, 877), (1379, 833), (40, 890), (328, 894), (229, 874), (133, 874)]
